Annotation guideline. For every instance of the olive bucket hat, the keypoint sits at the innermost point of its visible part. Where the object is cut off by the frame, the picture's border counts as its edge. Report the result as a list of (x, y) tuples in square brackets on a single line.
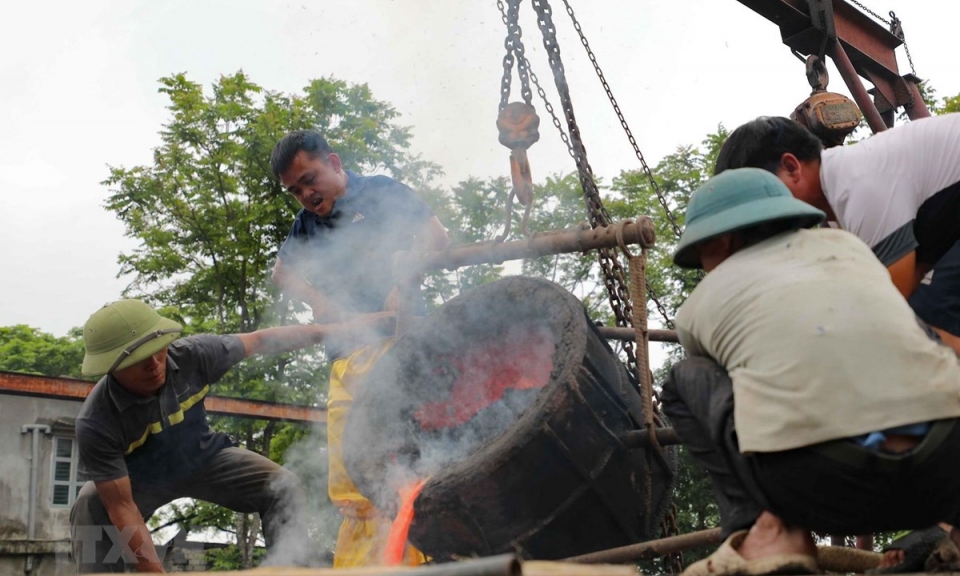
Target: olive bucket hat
[(123, 333), (734, 200)]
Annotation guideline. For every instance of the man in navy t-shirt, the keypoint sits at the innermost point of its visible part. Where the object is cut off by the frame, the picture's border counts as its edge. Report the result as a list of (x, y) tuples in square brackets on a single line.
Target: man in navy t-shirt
[(337, 256), (337, 259)]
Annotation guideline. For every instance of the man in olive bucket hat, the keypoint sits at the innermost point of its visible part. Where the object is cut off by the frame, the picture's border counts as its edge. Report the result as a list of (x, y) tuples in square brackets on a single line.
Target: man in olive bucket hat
[(144, 439), (810, 393)]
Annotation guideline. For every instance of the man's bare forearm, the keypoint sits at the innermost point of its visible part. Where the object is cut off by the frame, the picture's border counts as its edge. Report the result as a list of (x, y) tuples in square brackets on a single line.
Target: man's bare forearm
[(127, 519), (284, 339), (281, 339)]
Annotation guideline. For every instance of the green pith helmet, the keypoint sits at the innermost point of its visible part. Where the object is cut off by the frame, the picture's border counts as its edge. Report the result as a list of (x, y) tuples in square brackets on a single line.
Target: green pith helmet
[(123, 333), (734, 200)]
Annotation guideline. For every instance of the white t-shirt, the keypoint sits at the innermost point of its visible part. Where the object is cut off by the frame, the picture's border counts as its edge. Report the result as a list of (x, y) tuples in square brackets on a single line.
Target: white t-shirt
[(899, 190), (818, 342)]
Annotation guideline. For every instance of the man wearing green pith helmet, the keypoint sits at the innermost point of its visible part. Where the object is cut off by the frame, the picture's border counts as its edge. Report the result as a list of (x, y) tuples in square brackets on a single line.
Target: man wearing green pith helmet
[(811, 393), (144, 440)]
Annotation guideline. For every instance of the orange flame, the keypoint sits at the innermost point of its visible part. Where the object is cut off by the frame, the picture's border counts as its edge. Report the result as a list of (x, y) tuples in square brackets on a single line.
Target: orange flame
[(400, 529)]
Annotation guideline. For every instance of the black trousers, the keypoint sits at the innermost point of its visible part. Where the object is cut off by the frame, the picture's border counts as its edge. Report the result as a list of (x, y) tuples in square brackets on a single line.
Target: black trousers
[(238, 479), (837, 487)]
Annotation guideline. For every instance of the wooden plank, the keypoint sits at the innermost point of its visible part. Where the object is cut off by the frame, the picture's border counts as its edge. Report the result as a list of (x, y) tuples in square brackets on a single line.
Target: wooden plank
[(528, 568)]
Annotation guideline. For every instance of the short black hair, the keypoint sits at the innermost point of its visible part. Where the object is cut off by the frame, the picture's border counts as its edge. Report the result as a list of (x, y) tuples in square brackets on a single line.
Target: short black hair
[(310, 141), (762, 142)]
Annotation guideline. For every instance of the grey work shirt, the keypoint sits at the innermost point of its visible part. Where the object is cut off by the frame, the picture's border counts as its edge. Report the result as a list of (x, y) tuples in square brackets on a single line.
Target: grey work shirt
[(818, 342), (160, 438)]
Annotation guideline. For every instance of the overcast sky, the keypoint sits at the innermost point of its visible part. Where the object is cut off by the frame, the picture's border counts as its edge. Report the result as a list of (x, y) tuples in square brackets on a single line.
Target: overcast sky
[(78, 92)]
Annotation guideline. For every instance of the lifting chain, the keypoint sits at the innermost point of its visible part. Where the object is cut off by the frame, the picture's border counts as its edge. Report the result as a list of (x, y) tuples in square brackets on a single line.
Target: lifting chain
[(896, 28), (570, 150), (566, 141), (542, 93), (871, 12), (614, 277), (623, 122), (514, 46), (668, 527), (636, 150), (517, 122)]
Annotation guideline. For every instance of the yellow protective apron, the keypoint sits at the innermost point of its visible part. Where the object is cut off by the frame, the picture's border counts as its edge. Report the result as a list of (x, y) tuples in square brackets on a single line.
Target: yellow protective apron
[(363, 533)]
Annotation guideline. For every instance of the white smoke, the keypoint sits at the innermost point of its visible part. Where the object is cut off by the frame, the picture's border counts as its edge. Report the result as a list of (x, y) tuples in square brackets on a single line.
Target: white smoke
[(310, 540)]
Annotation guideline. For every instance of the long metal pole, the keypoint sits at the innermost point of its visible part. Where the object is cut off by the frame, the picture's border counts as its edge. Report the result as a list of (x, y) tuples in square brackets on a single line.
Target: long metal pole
[(503, 565), (641, 438), (617, 333), (650, 549), (35, 430), (919, 108), (852, 80), (412, 264)]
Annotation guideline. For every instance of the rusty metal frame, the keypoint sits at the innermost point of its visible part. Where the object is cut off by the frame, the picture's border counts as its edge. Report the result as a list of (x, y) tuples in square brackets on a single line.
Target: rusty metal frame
[(77, 390), (864, 49)]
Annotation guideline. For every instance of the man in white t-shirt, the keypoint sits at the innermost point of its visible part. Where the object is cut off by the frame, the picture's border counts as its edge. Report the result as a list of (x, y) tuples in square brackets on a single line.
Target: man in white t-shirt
[(811, 393), (898, 191)]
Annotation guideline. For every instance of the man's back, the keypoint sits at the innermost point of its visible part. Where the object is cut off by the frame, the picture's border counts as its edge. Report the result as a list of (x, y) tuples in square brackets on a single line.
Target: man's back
[(818, 342), (899, 190)]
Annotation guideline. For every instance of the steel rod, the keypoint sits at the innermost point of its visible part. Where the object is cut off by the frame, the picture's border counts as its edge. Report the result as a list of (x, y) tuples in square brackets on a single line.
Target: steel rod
[(640, 438), (34, 430), (617, 333), (852, 80), (919, 108), (650, 549), (412, 264), (502, 565)]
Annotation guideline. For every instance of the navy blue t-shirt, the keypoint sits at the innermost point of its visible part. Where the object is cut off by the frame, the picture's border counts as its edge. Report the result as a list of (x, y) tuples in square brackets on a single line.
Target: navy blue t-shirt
[(347, 256), (161, 438)]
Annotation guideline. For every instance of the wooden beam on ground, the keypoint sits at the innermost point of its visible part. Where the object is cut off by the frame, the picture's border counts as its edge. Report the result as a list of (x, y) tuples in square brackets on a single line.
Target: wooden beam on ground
[(77, 390)]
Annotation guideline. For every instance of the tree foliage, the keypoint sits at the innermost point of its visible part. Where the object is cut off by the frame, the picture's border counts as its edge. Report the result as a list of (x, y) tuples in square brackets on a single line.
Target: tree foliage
[(208, 213), (28, 350), (472, 212)]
